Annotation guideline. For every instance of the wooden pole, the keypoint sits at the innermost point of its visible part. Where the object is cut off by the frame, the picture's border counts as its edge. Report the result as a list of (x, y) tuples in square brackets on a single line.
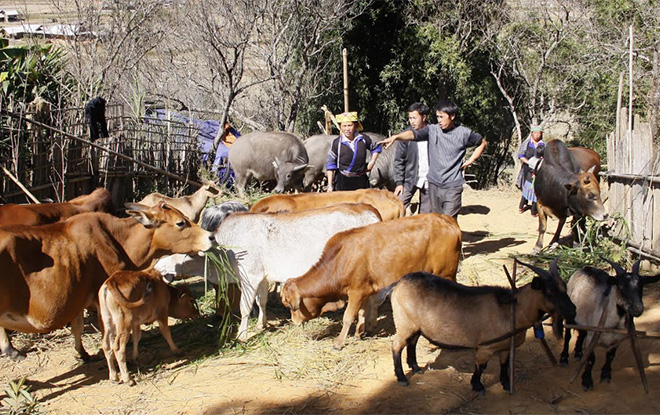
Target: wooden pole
[(636, 352), (19, 184), (630, 84), (592, 345), (512, 343), (345, 59), (619, 100), (116, 153)]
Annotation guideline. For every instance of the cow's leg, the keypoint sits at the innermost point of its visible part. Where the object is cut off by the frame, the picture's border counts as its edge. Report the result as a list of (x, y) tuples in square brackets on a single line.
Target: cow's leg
[(262, 299), (165, 331), (136, 335), (354, 303), (248, 295), (7, 348), (77, 327), (106, 345), (367, 317), (543, 225), (119, 349), (560, 226)]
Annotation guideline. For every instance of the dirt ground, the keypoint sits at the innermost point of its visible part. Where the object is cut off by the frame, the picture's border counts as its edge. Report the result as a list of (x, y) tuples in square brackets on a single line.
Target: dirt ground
[(294, 370)]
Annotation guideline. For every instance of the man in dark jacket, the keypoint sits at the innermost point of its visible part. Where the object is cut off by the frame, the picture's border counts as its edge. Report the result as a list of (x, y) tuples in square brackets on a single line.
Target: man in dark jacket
[(411, 162)]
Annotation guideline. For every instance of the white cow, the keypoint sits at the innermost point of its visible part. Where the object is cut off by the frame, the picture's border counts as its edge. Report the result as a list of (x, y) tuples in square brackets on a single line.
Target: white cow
[(273, 247)]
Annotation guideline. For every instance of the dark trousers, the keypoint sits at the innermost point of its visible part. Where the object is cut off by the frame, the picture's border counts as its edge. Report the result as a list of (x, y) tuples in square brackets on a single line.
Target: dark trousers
[(350, 183)]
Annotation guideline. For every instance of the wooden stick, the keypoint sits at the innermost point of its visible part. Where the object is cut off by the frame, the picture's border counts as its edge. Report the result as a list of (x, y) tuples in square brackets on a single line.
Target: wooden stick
[(19, 184), (512, 343), (345, 59), (636, 351), (650, 334)]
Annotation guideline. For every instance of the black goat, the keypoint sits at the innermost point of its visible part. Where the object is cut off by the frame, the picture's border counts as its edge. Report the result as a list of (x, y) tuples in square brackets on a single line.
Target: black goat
[(451, 315), (594, 292)]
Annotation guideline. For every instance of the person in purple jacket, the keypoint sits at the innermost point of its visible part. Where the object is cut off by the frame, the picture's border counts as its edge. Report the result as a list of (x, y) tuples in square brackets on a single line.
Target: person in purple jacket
[(448, 143)]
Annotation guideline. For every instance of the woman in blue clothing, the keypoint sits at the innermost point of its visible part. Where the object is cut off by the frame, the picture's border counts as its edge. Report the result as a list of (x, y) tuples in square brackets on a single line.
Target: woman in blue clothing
[(528, 152), (347, 166)]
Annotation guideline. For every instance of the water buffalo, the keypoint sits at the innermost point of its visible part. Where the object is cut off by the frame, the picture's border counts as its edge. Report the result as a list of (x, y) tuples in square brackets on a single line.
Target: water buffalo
[(382, 174), (269, 157), (317, 147), (563, 189)]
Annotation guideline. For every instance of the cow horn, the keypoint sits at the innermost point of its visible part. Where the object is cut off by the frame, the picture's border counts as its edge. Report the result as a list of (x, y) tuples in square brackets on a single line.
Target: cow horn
[(300, 167), (617, 268)]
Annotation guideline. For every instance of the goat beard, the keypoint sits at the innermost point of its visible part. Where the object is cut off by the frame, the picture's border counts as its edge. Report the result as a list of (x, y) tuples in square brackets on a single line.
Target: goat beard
[(558, 325)]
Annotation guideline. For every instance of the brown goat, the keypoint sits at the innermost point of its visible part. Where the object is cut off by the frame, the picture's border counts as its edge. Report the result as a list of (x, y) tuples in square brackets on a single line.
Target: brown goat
[(451, 315), (129, 299), (191, 206)]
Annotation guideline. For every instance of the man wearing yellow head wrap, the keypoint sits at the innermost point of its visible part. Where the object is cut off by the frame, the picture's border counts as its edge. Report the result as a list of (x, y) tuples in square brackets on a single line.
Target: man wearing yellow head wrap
[(346, 165)]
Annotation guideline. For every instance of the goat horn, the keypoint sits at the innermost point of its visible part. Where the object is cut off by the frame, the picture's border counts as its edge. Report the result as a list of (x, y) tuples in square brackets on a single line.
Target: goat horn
[(617, 267), (540, 271), (635, 268)]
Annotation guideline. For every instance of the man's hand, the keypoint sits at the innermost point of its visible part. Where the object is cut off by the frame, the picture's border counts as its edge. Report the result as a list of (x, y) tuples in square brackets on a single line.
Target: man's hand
[(398, 190), (387, 142)]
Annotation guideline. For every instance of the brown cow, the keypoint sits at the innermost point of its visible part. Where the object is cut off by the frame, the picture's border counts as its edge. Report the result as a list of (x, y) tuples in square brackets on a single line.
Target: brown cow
[(51, 273), (191, 206), (129, 299), (41, 214), (586, 158), (388, 205), (359, 262), (563, 189)]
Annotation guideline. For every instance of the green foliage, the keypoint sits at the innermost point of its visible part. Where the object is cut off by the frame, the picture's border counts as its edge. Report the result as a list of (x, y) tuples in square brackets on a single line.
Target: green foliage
[(218, 259), (597, 243), (19, 400), (30, 71)]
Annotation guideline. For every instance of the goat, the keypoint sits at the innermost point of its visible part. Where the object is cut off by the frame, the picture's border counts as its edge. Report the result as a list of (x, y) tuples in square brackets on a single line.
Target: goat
[(451, 315), (191, 206), (595, 292)]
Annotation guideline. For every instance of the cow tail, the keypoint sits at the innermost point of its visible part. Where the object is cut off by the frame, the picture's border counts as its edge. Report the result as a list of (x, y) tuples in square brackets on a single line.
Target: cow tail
[(112, 285)]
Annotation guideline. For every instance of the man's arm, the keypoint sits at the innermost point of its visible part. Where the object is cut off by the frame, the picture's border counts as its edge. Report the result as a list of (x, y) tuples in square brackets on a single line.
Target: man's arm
[(475, 155), (330, 175), (407, 135), (400, 161)]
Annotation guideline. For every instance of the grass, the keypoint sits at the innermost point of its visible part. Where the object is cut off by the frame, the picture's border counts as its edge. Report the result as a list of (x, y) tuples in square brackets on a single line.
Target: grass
[(597, 243)]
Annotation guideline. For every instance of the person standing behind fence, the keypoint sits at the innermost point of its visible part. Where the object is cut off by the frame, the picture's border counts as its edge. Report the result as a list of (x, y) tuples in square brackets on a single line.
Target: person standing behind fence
[(411, 162), (448, 144), (525, 180), (347, 165)]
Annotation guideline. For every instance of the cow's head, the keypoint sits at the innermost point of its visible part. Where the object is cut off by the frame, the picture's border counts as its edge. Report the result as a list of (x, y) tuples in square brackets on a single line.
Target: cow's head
[(172, 232), (555, 298), (182, 303), (289, 174), (584, 196), (305, 308)]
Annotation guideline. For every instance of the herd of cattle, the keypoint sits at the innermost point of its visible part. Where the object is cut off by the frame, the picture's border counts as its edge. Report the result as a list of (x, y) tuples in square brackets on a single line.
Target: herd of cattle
[(327, 251)]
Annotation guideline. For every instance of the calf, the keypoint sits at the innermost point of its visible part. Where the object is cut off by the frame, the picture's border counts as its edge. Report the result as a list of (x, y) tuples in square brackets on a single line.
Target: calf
[(451, 315), (388, 206), (595, 293), (213, 216), (563, 189), (129, 299), (191, 206), (359, 262)]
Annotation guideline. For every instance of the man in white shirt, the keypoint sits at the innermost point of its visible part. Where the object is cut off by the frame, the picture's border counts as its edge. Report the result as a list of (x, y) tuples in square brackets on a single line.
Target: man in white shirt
[(411, 162)]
